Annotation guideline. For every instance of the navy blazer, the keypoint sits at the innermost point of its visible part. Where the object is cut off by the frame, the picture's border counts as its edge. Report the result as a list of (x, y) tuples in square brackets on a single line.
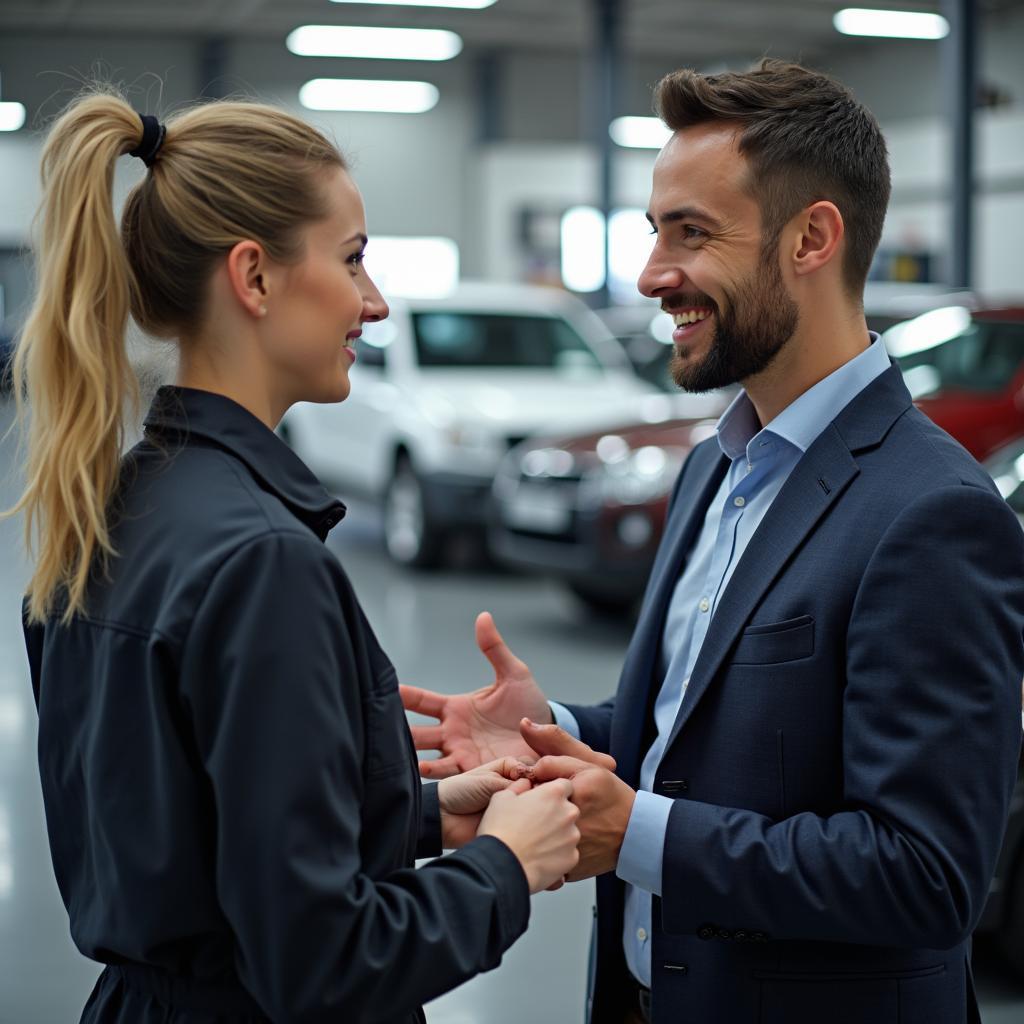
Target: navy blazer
[(842, 762)]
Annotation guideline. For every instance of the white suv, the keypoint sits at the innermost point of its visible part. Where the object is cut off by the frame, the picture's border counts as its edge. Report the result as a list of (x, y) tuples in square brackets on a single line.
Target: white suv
[(444, 387)]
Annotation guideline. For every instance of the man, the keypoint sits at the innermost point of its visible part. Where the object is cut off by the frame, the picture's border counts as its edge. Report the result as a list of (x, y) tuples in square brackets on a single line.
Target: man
[(816, 729)]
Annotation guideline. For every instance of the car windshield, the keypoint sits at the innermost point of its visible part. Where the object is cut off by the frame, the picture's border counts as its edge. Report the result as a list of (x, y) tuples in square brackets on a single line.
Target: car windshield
[(980, 356), (494, 339)]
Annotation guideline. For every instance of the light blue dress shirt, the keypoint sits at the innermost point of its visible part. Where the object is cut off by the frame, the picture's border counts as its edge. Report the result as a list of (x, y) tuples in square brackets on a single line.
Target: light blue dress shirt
[(761, 461)]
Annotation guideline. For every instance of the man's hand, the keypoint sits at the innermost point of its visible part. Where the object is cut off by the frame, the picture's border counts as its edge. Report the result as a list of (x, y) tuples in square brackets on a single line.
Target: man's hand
[(465, 797), (475, 728), (605, 804), (554, 741)]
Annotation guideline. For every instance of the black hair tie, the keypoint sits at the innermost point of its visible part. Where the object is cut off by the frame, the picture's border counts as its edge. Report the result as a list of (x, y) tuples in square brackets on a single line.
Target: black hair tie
[(153, 133)]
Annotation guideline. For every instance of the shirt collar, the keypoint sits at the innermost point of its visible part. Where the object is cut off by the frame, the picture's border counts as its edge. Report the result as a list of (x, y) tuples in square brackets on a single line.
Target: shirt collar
[(804, 419), (182, 413)]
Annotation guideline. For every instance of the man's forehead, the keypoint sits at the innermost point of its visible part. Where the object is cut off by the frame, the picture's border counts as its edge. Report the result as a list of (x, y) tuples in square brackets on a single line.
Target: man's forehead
[(700, 166)]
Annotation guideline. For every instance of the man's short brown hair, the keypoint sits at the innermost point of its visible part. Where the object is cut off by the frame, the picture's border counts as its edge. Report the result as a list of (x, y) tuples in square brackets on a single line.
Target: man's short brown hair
[(806, 139)]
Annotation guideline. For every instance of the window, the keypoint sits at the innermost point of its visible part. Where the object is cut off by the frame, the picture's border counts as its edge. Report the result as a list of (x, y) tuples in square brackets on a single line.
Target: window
[(982, 358), (491, 339)]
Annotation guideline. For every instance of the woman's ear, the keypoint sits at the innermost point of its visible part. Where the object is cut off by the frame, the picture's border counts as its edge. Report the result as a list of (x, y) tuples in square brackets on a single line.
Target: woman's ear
[(821, 232), (246, 269)]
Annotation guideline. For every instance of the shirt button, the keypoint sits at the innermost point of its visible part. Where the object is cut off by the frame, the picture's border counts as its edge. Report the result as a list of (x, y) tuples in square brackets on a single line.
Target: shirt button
[(705, 604), (739, 502), (641, 934)]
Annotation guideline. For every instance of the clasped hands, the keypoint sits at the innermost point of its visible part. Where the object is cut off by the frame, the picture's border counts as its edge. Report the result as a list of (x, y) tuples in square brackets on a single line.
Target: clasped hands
[(500, 739)]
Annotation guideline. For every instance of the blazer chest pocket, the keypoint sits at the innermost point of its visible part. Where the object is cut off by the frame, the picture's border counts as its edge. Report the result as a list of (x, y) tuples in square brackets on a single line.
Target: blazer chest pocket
[(775, 642)]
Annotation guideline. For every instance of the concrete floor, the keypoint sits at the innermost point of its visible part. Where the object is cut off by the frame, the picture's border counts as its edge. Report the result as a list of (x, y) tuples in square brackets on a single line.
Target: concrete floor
[(425, 623)]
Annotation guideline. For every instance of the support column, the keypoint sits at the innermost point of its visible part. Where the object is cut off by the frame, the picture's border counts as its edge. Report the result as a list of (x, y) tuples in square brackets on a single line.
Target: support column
[(959, 71), (607, 63)]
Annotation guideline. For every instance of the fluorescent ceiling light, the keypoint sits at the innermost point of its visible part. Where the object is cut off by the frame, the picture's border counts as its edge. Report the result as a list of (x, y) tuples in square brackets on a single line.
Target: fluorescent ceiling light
[(860, 21), (466, 5), (12, 116), (383, 43), (639, 132), (362, 94)]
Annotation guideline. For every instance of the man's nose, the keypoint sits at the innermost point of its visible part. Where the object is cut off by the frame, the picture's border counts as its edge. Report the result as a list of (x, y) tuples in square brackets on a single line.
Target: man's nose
[(659, 277)]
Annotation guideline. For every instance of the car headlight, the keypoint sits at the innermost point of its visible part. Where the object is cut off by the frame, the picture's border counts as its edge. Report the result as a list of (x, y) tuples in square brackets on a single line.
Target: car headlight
[(640, 477)]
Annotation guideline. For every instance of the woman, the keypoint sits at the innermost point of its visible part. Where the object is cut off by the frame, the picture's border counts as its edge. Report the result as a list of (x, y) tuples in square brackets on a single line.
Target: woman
[(230, 787)]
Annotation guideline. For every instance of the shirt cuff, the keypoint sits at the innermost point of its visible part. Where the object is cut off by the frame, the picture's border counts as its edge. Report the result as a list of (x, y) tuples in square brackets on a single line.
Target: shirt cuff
[(565, 718), (643, 847)]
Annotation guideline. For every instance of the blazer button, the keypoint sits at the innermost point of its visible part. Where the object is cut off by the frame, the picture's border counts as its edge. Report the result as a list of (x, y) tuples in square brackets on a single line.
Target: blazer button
[(705, 932), (724, 934), (741, 936), (758, 937)]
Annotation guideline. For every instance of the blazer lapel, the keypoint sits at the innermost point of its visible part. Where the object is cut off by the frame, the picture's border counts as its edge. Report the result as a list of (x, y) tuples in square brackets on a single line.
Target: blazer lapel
[(698, 486), (817, 481)]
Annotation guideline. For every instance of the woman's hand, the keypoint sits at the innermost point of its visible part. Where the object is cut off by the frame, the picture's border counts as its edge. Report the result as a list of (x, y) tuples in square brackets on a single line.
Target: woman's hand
[(465, 797)]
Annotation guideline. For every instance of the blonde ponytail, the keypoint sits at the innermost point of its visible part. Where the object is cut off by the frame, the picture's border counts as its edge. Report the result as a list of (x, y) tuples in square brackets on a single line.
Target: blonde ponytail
[(226, 171), (71, 362)]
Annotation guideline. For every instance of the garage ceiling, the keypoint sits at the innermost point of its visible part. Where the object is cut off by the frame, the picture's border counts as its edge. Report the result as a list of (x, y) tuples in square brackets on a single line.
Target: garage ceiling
[(719, 29)]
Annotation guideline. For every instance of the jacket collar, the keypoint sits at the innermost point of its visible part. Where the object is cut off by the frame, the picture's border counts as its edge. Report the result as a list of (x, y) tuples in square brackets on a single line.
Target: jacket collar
[(178, 414)]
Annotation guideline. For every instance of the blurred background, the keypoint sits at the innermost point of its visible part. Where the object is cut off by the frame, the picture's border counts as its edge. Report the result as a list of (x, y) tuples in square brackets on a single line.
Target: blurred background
[(512, 433)]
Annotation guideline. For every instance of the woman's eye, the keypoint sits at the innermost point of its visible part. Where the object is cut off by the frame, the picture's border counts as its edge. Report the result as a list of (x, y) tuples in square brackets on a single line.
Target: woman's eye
[(356, 259)]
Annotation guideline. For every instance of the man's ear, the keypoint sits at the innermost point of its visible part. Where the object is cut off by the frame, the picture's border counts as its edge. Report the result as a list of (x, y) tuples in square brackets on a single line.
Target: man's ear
[(819, 241), (247, 268)]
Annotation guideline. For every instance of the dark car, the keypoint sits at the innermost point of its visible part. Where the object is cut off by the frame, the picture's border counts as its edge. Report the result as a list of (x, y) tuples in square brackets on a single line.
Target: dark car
[(590, 509), (965, 370)]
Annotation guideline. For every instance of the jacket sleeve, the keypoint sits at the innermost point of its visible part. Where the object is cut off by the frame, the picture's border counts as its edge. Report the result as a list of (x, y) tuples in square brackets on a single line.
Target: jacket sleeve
[(931, 737), (595, 723), (271, 676), (430, 839)]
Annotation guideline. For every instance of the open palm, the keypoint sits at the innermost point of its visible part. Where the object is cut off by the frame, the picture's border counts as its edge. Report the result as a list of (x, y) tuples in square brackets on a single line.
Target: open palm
[(474, 728)]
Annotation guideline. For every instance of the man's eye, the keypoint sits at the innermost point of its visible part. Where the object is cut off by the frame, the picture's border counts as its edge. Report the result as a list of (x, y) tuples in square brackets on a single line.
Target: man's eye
[(691, 232)]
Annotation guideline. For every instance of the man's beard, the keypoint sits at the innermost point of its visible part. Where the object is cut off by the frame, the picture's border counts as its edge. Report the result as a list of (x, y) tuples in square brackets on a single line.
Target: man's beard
[(760, 319)]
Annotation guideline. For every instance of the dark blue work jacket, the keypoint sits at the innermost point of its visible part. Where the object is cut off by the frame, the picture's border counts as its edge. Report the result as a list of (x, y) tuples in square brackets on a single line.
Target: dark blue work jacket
[(230, 786)]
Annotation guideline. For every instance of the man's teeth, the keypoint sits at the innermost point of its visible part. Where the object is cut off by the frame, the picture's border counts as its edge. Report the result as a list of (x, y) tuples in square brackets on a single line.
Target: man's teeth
[(690, 317)]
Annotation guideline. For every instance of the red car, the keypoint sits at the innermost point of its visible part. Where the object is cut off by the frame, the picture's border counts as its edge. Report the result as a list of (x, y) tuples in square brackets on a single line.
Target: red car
[(965, 370)]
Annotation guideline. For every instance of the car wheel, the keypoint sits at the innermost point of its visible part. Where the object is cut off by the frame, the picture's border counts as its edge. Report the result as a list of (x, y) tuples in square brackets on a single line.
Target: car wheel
[(1010, 937), (603, 602), (409, 535)]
